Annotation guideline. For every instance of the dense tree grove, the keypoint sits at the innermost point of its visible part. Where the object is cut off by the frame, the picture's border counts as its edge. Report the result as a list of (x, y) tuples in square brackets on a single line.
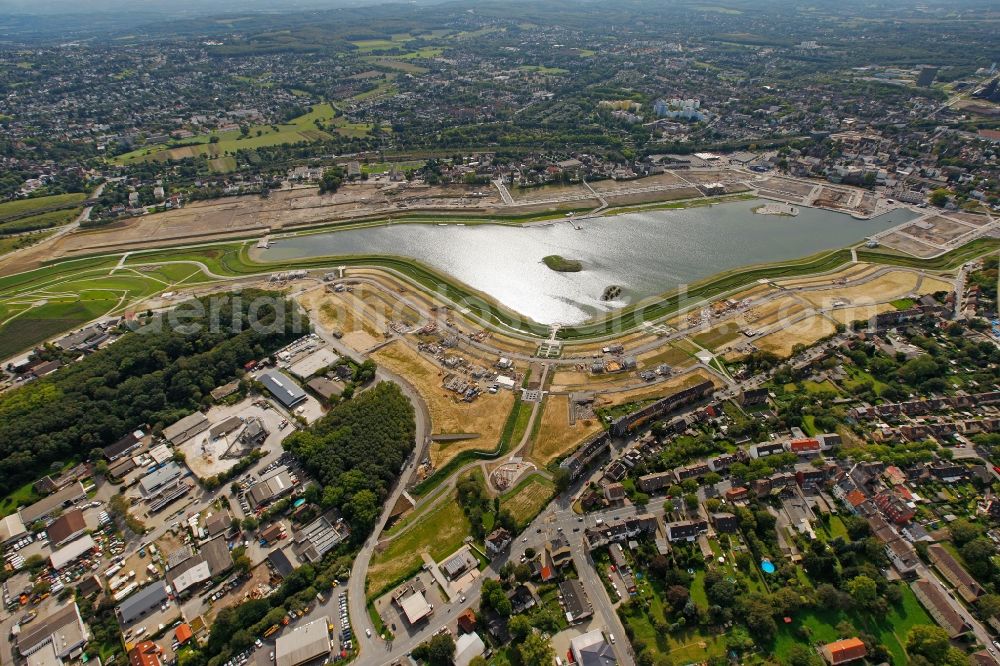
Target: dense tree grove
[(152, 376), (357, 450)]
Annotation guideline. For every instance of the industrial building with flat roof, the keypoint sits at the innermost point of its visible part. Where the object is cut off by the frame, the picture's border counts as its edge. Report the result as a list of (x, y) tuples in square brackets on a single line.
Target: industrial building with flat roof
[(142, 602), (64, 630), (284, 390), (303, 644), (186, 428), (71, 551), (44, 507), (272, 486), (155, 482)]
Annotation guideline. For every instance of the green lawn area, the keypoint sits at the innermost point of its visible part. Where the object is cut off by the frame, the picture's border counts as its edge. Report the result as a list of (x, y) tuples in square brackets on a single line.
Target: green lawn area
[(394, 42), (439, 532), (302, 128), (891, 630), (809, 424), (717, 337), (687, 646), (23, 496), (11, 243), (542, 69), (837, 529), (22, 206), (903, 303), (857, 377), (384, 167), (527, 498)]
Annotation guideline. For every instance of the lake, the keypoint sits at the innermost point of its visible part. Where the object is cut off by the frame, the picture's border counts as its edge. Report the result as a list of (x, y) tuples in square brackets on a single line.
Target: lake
[(644, 253)]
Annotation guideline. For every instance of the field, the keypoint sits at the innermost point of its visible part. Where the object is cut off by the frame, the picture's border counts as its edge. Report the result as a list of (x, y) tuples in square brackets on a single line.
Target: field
[(718, 336), (528, 498), (806, 332), (438, 531), (556, 437), (302, 128), (37, 213), (485, 417)]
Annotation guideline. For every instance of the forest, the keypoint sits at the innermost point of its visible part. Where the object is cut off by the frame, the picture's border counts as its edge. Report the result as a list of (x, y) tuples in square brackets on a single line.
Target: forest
[(356, 452), (149, 378)]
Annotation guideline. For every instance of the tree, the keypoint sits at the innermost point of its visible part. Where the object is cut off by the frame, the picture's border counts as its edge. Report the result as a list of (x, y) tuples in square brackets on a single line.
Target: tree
[(963, 531), (977, 554), (561, 479), (928, 641), (939, 197), (800, 655), (439, 651), (519, 627), (536, 651), (863, 591)]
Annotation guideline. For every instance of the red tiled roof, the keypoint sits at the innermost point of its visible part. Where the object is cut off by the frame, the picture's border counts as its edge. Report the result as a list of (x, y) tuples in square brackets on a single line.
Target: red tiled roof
[(183, 633), (841, 652), (856, 498)]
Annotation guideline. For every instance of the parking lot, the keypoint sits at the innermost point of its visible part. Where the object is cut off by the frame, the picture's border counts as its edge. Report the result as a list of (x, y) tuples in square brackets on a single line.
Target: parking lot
[(393, 616)]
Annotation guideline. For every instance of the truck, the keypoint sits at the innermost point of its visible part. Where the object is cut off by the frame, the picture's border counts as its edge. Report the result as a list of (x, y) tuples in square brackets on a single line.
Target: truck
[(125, 591), (271, 630)]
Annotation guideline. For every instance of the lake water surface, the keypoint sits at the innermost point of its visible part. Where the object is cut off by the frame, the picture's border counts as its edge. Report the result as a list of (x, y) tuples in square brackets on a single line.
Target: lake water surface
[(645, 253)]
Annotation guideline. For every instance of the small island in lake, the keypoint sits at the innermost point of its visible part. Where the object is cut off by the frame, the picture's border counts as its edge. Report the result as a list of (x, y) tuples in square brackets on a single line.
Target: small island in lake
[(562, 265), (611, 292)]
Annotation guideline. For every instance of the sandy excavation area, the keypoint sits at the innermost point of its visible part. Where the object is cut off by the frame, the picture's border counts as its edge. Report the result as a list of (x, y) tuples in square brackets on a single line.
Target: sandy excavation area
[(485, 417)]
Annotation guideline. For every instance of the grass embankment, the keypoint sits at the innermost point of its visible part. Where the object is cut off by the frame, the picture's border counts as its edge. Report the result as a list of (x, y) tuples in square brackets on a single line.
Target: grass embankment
[(438, 532), (563, 265)]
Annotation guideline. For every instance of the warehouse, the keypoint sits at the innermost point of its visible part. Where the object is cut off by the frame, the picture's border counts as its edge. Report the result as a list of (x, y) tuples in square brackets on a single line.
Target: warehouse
[(70, 552), (303, 644), (63, 629), (44, 507), (285, 391), (142, 602)]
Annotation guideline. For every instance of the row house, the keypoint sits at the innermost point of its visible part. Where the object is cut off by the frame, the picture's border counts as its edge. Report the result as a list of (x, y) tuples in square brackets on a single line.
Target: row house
[(686, 530), (651, 483), (894, 508), (765, 449), (631, 528), (692, 471)]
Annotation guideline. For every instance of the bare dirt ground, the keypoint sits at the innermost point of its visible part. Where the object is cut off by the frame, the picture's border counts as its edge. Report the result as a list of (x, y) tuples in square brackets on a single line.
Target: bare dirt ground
[(657, 390), (556, 437), (908, 245), (804, 332), (485, 416), (658, 180), (630, 341), (851, 314), (893, 284), (339, 311)]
